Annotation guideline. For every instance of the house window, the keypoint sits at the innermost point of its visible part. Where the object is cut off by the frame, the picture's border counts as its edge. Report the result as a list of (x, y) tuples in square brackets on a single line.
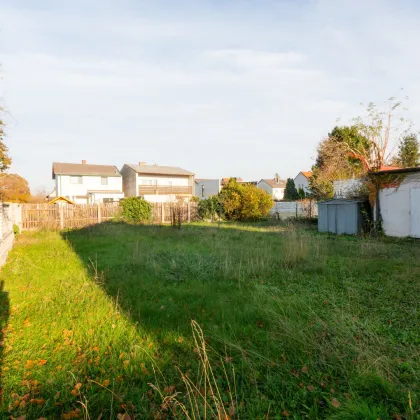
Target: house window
[(76, 180), (104, 180), (202, 190), (108, 200)]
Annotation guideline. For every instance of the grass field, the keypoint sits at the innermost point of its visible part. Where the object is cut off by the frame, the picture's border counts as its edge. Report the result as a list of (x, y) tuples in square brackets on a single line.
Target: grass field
[(96, 324)]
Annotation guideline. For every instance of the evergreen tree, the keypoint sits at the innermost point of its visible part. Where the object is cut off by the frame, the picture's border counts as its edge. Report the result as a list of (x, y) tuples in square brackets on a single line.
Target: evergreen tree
[(291, 193), (408, 151), (301, 193)]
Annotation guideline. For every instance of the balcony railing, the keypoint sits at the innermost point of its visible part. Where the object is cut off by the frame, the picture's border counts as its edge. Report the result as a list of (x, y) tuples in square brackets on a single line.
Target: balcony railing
[(164, 190)]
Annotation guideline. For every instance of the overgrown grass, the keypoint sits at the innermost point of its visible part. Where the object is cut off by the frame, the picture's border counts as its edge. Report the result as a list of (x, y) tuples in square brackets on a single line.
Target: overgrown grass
[(295, 324)]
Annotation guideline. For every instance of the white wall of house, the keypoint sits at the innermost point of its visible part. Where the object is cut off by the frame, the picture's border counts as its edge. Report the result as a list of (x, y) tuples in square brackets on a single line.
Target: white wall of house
[(302, 182), (164, 180), (262, 185), (76, 187), (276, 193), (211, 187), (400, 208)]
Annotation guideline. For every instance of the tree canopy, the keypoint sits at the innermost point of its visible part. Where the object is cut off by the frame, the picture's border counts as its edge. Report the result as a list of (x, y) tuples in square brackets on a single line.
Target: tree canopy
[(408, 151), (290, 192), (14, 188), (5, 160)]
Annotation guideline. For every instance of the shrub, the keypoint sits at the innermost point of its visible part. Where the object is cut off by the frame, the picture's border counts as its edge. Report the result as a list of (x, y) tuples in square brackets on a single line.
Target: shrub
[(210, 208), (136, 209), (301, 194), (16, 230), (244, 201)]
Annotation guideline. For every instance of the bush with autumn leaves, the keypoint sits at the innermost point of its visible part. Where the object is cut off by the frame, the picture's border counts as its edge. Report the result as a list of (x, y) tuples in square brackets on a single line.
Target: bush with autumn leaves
[(237, 201)]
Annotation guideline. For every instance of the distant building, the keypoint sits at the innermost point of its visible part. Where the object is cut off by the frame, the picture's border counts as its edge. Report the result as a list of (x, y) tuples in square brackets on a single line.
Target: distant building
[(84, 183), (302, 181), (275, 187), (156, 183), (205, 188)]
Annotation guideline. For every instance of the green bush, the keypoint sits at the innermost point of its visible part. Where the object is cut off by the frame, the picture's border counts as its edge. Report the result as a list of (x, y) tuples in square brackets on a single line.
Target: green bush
[(210, 208), (136, 209), (244, 201), (301, 193), (16, 230)]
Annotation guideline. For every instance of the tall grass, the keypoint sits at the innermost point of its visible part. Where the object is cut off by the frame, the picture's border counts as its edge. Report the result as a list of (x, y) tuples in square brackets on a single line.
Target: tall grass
[(294, 324)]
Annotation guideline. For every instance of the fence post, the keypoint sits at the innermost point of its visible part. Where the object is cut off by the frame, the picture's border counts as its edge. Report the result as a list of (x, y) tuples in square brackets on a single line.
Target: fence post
[(162, 205), (61, 210), (188, 212), (99, 213)]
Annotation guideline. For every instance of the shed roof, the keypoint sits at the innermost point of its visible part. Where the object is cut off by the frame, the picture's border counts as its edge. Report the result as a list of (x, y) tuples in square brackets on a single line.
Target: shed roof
[(339, 201), (158, 170), (395, 170), (59, 168)]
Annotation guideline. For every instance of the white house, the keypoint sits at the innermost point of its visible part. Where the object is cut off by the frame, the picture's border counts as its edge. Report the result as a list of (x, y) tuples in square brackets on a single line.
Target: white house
[(204, 188), (157, 184), (302, 181), (84, 183), (399, 202), (275, 187)]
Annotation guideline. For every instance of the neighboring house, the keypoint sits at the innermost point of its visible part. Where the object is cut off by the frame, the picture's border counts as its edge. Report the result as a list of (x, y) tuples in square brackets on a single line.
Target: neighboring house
[(83, 183), (399, 202), (157, 184), (224, 181), (275, 187), (204, 188), (302, 181)]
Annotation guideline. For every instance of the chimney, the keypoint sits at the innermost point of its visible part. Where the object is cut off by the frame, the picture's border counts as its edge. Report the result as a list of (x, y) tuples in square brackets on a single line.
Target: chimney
[(142, 163), (83, 162)]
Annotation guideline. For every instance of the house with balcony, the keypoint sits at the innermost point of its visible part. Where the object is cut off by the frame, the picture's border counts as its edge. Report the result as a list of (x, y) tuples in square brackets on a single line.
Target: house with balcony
[(157, 184), (84, 183)]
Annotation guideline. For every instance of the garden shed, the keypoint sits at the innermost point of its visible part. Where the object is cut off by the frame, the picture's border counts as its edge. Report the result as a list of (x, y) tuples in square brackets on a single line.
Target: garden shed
[(340, 216)]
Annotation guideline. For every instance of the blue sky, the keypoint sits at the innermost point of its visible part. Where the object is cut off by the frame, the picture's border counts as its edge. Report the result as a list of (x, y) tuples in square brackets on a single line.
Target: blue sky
[(222, 88)]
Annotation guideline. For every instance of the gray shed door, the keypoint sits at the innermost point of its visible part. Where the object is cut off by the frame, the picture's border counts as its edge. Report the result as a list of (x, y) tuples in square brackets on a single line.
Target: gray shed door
[(415, 212), (332, 209)]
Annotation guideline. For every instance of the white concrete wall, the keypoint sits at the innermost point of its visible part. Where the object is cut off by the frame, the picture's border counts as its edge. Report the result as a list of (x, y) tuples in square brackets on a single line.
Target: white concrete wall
[(287, 209), (10, 214), (65, 188), (346, 188), (211, 187), (395, 205), (302, 182)]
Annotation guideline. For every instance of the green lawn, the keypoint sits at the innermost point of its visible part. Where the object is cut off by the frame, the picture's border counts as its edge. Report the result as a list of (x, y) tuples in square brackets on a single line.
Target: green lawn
[(299, 325)]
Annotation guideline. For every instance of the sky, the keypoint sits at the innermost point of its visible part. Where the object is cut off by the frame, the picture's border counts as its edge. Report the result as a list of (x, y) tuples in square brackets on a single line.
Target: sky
[(222, 88)]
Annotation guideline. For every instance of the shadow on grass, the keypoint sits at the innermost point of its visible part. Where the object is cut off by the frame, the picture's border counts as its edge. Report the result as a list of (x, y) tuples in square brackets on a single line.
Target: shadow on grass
[(4, 316)]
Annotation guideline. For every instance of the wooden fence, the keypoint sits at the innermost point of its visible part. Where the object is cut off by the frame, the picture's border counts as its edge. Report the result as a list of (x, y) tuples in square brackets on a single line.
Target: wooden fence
[(61, 216)]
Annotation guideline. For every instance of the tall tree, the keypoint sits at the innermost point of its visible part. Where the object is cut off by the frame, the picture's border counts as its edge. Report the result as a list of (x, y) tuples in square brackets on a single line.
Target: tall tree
[(334, 161), (290, 192), (14, 188), (408, 151), (5, 160)]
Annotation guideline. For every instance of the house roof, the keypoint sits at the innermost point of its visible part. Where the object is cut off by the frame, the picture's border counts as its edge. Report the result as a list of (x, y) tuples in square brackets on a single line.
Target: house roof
[(395, 170), (205, 179), (275, 184), (306, 174), (158, 170), (84, 169)]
